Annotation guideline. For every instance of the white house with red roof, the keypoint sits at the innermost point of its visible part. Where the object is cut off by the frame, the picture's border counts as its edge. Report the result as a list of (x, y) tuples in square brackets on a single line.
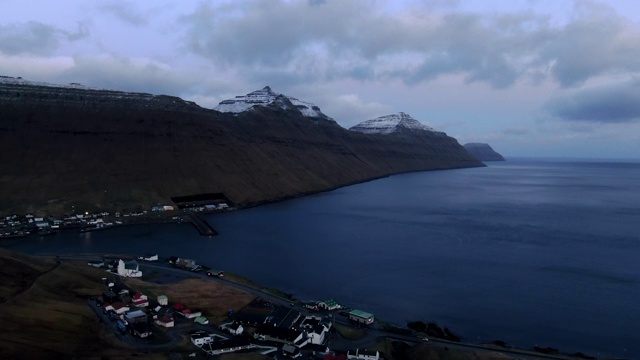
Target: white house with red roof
[(166, 321), (139, 300)]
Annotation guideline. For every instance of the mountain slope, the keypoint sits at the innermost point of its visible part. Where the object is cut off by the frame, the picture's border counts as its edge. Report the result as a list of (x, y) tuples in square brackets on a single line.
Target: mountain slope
[(70, 148), (394, 123), (266, 97)]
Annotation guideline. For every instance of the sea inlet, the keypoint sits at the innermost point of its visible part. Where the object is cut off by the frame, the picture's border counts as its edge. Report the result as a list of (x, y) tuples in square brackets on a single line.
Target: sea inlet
[(531, 252)]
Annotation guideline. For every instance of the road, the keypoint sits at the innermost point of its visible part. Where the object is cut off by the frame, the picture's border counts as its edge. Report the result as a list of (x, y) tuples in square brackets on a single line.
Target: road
[(372, 334)]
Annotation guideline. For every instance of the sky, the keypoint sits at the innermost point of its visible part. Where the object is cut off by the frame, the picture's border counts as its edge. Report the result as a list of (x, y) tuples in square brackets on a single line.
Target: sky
[(538, 78)]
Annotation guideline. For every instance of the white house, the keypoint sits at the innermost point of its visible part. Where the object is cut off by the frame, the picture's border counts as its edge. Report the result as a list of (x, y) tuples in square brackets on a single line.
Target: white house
[(139, 300), (139, 296), (363, 355), (316, 328), (200, 338), (129, 268), (119, 307), (329, 305)]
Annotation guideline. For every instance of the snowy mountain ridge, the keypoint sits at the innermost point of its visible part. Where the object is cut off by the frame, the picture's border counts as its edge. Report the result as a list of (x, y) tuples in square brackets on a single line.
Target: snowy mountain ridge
[(390, 123), (8, 80), (265, 97)]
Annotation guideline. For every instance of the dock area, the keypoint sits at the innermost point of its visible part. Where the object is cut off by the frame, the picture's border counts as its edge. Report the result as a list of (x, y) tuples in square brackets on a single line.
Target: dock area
[(201, 225)]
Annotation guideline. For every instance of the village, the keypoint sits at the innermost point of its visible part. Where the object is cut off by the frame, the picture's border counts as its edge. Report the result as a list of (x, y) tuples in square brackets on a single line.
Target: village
[(269, 325), (183, 209)]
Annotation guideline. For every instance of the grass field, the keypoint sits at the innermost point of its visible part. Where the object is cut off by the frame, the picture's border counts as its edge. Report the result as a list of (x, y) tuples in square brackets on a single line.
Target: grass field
[(212, 298)]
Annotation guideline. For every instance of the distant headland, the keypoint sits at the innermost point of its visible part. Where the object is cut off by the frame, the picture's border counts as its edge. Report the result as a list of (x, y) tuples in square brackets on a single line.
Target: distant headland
[(483, 152)]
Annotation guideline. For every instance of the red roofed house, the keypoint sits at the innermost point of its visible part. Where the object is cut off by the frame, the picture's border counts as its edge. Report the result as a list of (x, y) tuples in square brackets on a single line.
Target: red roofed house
[(139, 300), (120, 307), (166, 321)]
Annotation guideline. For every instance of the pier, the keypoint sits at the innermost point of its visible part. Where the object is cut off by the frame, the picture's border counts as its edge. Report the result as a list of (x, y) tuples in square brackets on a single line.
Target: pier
[(201, 225)]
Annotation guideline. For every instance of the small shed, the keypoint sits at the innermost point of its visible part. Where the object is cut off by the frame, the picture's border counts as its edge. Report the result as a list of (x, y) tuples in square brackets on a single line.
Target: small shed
[(201, 320), (163, 300)]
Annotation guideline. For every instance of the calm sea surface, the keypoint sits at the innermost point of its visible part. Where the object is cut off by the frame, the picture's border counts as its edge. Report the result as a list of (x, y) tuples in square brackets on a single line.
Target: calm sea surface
[(530, 252)]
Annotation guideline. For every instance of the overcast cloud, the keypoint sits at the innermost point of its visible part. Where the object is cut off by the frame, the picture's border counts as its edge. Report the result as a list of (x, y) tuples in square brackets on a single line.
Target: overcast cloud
[(509, 73), (617, 103), (35, 38)]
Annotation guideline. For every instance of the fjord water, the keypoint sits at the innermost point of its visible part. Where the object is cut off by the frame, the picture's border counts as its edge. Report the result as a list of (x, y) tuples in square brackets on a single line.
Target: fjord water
[(530, 252)]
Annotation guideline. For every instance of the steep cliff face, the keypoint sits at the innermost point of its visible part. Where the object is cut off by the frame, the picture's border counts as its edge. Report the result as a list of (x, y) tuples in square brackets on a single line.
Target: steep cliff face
[(98, 149), (483, 152)]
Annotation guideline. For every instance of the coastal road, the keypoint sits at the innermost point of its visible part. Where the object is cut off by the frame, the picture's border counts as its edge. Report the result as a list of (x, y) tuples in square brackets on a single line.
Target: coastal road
[(372, 334)]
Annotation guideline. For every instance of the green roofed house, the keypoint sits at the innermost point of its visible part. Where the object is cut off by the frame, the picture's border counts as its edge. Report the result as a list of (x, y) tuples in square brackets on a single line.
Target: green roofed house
[(361, 317), (201, 320), (329, 305), (163, 300)]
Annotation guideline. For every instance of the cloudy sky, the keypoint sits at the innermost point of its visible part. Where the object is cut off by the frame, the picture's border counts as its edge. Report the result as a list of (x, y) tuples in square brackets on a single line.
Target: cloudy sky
[(531, 77)]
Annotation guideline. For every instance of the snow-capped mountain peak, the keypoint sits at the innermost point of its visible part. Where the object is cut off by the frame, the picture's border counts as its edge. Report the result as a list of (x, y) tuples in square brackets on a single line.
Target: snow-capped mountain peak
[(390, 123), (265, 97)]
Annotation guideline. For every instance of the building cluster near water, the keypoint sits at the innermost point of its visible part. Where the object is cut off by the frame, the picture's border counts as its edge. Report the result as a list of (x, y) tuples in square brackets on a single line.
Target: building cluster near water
[(16, 226), (261, 326)]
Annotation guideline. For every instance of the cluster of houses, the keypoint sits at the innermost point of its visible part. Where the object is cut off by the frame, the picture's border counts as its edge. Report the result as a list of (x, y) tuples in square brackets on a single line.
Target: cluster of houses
[(30, 223), (270, 325), (136, 313), (128, 315), (22, 225)]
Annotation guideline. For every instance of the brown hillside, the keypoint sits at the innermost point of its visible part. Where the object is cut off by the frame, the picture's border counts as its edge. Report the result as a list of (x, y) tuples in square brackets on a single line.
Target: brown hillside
[(110, 150)]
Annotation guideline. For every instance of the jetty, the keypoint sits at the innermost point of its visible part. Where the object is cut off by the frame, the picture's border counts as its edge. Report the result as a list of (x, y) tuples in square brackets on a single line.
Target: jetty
[(201, 225)]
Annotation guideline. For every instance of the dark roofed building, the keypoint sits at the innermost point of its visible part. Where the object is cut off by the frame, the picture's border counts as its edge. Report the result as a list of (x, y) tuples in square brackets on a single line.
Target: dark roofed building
[(228, 346), (283, 317), (278, 334), (141, 329), (291, 351)]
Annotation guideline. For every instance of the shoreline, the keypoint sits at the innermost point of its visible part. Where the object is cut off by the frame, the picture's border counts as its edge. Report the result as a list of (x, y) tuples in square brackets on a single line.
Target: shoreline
[(196, 217), (383, 326), (240, 208)]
